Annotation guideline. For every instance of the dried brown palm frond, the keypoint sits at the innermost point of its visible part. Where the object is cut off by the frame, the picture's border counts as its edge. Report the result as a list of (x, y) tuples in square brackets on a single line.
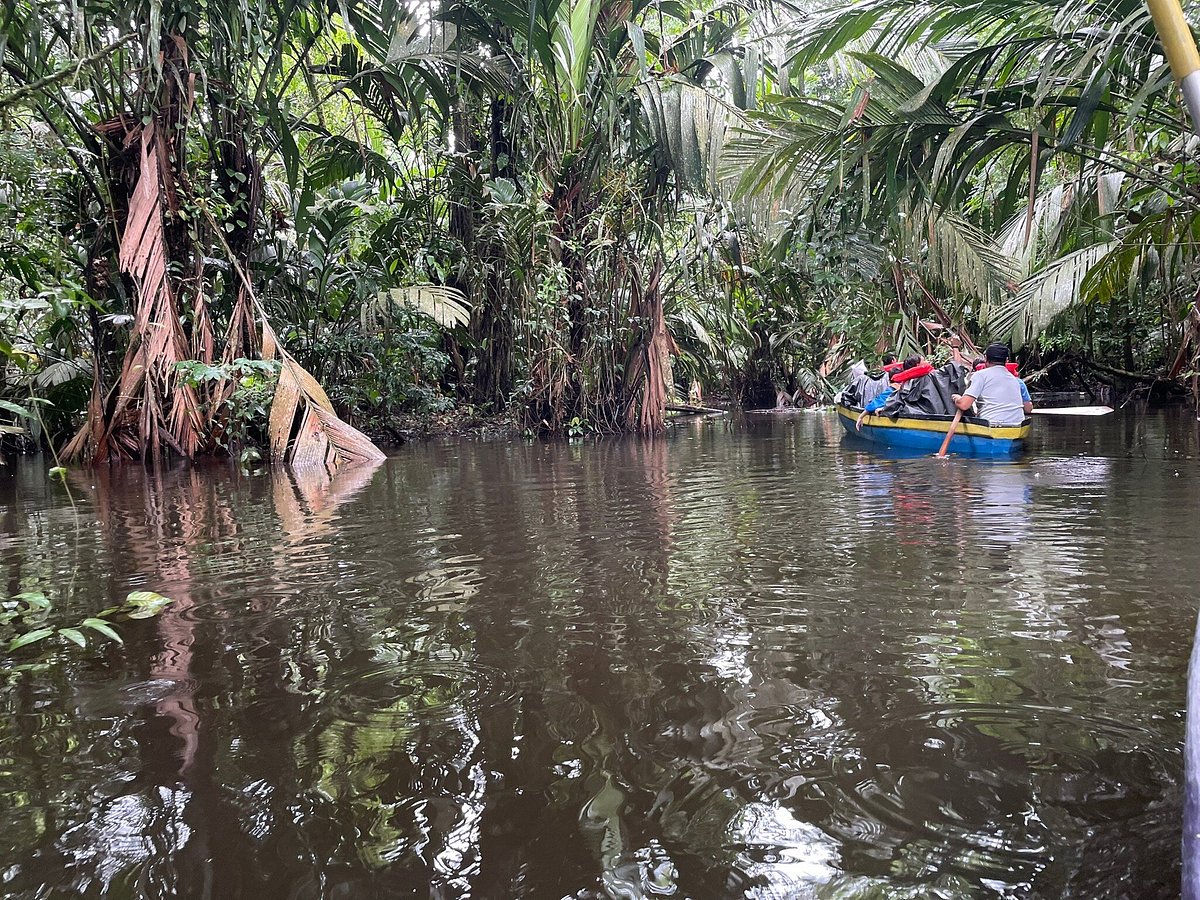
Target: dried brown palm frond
[(203, 342), (304, 430), (150, 404), (89, 435)]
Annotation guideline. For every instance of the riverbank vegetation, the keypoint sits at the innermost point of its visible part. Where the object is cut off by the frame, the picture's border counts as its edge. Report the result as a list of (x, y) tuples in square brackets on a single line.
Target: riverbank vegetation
[(249, 229)]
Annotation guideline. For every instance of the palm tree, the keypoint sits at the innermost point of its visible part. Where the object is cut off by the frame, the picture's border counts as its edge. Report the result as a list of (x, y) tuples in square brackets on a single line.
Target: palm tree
[(169, 126), (580, 169)]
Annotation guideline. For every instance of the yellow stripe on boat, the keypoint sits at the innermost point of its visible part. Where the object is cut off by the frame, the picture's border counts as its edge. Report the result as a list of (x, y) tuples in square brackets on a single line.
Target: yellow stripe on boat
[(1010, 432)]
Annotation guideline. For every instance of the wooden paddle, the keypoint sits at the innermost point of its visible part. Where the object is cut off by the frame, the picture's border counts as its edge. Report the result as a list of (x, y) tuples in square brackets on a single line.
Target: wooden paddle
[(941, 454), (1074, 411)]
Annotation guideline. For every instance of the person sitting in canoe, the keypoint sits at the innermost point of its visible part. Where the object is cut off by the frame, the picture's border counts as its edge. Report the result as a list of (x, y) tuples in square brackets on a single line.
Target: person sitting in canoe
[(979, 363), (997, 391), (865, 385), (878, 381), (901, 374)]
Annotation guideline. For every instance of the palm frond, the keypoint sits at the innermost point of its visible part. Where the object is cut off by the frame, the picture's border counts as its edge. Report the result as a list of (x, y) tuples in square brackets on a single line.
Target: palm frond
[(1043, 297), (1029, 233), (152, 404), (690, 126), (959, 255), (445, 305), (304, 431)]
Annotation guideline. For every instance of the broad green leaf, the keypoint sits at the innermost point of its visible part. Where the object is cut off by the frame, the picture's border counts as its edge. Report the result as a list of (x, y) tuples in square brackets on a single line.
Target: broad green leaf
[(30, 637), (74, 635), (103, 627), (146, 604), (143, 612), (637, 38), (15, 409), (33, 599)]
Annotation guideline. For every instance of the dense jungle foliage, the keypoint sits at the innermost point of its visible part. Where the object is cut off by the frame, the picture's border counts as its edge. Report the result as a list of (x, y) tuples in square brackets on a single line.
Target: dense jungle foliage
[(225, 225)]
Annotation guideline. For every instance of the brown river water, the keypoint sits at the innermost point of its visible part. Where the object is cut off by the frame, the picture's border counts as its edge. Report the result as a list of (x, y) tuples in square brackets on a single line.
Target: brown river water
[(732, 662)]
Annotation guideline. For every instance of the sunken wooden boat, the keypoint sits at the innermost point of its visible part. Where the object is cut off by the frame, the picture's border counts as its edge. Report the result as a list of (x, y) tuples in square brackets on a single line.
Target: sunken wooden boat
[(973, 437)]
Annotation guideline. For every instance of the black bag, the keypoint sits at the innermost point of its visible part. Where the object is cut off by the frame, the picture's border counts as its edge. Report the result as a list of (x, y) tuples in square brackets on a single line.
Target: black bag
[(928, 395)]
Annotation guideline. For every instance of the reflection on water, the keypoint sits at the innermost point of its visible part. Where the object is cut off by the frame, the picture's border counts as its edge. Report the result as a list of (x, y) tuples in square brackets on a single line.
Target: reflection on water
[(725, 663)]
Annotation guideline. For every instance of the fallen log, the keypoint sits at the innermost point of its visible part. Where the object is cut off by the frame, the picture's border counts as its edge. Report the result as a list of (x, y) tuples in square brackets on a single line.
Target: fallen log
[(692, 410)]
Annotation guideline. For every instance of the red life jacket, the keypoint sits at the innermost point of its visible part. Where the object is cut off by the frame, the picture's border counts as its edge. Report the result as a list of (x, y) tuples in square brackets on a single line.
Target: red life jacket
[(1012, 367), (909, 374)]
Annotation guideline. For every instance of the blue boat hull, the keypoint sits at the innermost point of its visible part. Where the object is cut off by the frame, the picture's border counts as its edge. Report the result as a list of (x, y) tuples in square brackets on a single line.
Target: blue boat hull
[(926, 434)]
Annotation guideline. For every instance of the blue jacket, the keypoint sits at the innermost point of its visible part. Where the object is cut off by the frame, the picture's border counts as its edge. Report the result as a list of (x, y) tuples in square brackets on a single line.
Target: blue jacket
[(877, 404)]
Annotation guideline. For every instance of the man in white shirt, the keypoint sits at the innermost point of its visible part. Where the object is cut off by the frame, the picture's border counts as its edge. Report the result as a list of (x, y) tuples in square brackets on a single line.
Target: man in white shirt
[(996, 390)]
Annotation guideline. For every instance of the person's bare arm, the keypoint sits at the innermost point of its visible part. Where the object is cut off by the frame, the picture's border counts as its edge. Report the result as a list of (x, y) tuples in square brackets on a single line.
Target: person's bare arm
[(956, 352), (1028, 407), (963, 401)]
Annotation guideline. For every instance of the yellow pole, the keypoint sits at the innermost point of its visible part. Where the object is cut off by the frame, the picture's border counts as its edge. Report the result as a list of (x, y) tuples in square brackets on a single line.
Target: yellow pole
[(1180, 48)]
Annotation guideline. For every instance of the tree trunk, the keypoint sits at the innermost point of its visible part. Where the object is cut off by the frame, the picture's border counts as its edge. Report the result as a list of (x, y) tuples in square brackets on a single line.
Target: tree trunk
[(648, 371), (496, 331)]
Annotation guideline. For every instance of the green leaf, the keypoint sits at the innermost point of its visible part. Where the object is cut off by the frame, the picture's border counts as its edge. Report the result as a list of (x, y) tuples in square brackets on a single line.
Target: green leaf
[(33, 599), (59, 472), (103, 627), (637, 38), (72, 634), (145, 604), (30, 637), (1089, 102), (16, 410)]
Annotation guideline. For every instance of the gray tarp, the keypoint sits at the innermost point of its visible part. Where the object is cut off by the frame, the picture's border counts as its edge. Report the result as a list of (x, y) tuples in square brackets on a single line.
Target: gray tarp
[(863, 388)]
